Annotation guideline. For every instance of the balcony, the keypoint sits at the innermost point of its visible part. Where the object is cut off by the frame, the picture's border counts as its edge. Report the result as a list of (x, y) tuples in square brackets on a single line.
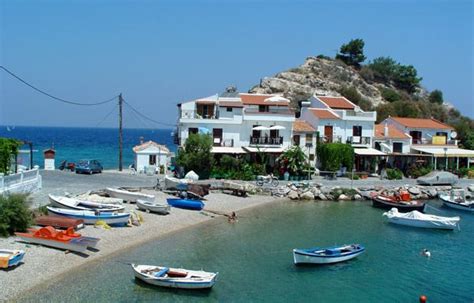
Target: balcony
[(433, 141), (272, 111), (358, 140), (356, 115), (193, 114), (266, 140), (333, 139)]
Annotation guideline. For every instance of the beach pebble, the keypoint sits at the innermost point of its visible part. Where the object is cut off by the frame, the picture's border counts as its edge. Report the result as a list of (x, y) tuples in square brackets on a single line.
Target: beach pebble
[(307, 196), (343, 197), (322, 197), (357, 197), (326, 190), (315, 191), (414, 190), (293, 195), (471, 188)]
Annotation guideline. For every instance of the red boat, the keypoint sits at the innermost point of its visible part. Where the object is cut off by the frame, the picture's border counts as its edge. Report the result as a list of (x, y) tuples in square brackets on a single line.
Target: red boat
[(402, 201)]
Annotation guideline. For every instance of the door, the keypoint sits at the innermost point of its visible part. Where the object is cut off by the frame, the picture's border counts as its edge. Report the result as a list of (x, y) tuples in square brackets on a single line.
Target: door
[(356, 134), (217, 136), (328, 133), (274, 136), (416, 137)]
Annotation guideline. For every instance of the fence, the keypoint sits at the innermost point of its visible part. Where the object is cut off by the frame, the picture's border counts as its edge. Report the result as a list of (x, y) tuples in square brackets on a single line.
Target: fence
[(23, 182)]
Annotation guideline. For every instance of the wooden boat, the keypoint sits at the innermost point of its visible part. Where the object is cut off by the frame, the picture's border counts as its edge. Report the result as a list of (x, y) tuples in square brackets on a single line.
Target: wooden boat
[(175, 183), (327, 255), (59, 222), (417, 219), (174, 277), (98, 197), (77, 204), (457, 199), (91, 217), (129, 196), (158, 208), (10, 258), (67, 240), (403, 203), (186, 203)]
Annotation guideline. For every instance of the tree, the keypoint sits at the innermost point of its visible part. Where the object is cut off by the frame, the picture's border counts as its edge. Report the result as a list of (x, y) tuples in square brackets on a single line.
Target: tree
[(196, 155), (294, 160), (390, 95), (333, 156), (384, 69), (436, 96), (406, 78), (8, 150), (352, 53)]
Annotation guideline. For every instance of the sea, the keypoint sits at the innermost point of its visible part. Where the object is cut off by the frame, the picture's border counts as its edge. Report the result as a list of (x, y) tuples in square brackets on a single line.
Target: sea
[(73, 143), (254, 260)]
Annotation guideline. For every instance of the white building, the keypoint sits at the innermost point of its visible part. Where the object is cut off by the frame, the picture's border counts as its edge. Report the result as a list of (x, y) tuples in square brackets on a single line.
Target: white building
[(304, 136), (151, 156)]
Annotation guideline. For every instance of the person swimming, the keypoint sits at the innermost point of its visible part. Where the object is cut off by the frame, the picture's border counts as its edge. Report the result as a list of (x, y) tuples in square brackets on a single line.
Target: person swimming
[(426, 253), (232, 217)]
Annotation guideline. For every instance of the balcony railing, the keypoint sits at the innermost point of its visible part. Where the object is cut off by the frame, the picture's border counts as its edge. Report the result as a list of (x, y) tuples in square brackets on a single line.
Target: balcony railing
[(430, 142), (266, 140), (271, 111), (333, 139), (193, 114), (358, 140)]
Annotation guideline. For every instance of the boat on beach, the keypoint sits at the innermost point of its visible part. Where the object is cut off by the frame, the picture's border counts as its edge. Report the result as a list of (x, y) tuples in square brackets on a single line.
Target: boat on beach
[(327, 255), (130, 196), (175, 183), (77, 204), (174, 277), (162, 209), (186, 203), (10, 258), (457, 200), (417, 219), (402, 202), (90, 216), (66, 240)]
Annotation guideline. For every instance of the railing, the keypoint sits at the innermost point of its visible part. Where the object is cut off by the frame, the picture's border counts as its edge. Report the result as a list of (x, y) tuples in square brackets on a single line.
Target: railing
[(22, 182), (271, 111), (266, 140), (333, 139), (223, 143), (351, 113), (430, 142), (193, 114), (358, 140)]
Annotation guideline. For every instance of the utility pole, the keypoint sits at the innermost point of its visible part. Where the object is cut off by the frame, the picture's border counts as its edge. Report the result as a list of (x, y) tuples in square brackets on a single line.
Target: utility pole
[(120, 103)]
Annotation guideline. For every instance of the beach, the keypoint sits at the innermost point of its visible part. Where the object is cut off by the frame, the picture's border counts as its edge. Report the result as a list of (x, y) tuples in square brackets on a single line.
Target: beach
[(42, 264)]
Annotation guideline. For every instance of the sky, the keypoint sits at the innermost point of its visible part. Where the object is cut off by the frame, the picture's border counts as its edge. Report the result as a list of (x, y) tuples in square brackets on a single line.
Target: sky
[(160, 53)]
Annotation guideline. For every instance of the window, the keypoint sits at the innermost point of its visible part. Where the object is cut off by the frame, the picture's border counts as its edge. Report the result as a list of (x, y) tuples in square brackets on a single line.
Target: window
[(378, 146), (296, 140), (309, 138), (311, 157), (256, 133), (263, 108), (192, 130), (229, 109), (416, 136), (397, 147), (356, 131), (152, 160)]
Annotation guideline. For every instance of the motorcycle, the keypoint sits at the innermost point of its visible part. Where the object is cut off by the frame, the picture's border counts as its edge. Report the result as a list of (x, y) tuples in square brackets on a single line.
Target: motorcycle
[(270, 179)]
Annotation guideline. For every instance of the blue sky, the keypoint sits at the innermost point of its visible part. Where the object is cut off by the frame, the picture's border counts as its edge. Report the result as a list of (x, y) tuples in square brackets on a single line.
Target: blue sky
[(159, 53)]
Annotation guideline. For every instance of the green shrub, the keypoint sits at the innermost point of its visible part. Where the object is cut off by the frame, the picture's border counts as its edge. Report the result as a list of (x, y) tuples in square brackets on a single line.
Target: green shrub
[(334, 155), (436, 96), (321, 56), (390, 95), (14, 214), (8, 149), (465, 172), (416, 172), (394, 174), (196, 155)]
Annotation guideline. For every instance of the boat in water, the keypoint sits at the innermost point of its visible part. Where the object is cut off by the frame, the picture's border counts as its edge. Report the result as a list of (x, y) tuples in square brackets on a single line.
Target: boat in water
[(186, 203), (417, 219), (174, 277), (10, 258), (77, 204), (403, 202), (67, 240), (327, 255), (457, 199), (129, 196), (162, 209), (91, 216)]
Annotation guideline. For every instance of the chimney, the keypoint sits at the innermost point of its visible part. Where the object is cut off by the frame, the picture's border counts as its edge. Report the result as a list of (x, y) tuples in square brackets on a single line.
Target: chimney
[(385, 130)]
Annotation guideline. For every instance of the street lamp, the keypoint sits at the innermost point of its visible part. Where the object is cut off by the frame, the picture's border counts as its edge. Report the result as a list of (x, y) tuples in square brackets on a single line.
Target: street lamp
[(446, 158)]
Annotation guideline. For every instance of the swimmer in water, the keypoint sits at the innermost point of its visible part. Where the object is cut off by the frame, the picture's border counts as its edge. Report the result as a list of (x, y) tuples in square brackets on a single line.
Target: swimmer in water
[(426, 253)]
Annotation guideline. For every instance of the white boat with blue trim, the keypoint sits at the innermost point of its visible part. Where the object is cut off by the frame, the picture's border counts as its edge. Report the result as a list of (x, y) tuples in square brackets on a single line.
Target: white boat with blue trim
[(91, 217), (10, 258), (417, 219), (129, 196), (174, 277), (327, 255), (457, 199), (78, 204)]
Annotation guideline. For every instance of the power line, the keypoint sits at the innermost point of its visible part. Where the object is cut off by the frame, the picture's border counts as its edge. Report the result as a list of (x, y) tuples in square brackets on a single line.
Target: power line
[(145, 117), (106, 116), (51, 96)]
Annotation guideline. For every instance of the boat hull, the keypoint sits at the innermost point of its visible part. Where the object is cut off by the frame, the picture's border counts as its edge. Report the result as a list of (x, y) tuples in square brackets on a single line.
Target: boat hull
[(186, 203), (14, 257), (446, 201), (305, 258), (204, 283), (128, 195), (153, 207), (61, 202), (423, 224), (384, 204), (109, 218), (55, 244)]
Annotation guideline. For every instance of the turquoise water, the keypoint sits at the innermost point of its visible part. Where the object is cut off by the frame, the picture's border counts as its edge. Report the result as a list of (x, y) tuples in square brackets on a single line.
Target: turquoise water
[(254, 261)]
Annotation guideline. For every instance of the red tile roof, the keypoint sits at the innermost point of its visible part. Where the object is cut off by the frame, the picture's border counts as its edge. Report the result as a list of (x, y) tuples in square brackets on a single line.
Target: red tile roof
[(323, 113), (145, 145), (421, 123), (302, 126), (393, 132), (259, 99), (337, 102)]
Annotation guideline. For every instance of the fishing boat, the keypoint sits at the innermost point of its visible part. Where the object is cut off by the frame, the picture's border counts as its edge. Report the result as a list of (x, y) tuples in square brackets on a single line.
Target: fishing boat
[(417, 219), (67, 240), (186, 203), (457, 199), (175, 183), (327, 255), (402, 202), (91, 217), (153, 207), (10, 258), (174, 277), (130, 196), (77, 204), (59, 222)]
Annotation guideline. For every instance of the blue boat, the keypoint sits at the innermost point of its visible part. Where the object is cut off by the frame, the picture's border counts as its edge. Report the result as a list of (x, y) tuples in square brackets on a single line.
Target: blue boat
[(10, 258), (327, 255), (186, 203)]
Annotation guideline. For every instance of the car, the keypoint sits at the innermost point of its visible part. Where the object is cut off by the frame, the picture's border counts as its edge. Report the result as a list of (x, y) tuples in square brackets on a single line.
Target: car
[(88, 167), (438, 178)]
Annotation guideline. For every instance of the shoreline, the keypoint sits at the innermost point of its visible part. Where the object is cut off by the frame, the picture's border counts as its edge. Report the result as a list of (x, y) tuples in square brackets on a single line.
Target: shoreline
[(113, 242)]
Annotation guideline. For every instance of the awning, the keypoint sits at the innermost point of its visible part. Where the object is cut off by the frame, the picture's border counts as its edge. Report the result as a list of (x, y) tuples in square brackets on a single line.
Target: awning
[(227, 150), (277, 127), (264, 149), (450, 152), (260, 127), (368, 152)]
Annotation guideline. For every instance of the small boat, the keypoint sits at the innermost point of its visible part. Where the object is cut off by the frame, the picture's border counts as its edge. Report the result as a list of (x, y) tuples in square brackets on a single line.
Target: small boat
[(403, 202), (77, 204), (186, 203), (457, 199), (327, 255), (174, 277), (91, 217), (10, 258), (175, 183), (417, 219), (67, 240), (130, 196), (158, 208), (59, 222), (96, 197)]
